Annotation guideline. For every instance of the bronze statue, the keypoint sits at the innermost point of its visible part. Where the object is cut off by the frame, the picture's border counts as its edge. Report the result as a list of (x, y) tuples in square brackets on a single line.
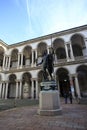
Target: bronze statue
[(48, 65)]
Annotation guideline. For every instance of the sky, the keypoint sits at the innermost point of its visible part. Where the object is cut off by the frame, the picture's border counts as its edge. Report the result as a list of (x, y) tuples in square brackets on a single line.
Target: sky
[(22, 20)]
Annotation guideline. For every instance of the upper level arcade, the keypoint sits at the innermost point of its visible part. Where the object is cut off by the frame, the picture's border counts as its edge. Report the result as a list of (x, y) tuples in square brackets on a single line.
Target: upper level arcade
[(69, 46)]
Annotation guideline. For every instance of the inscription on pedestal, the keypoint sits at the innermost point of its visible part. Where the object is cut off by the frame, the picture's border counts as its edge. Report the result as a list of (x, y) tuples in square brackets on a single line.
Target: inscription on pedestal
[(48, 85)]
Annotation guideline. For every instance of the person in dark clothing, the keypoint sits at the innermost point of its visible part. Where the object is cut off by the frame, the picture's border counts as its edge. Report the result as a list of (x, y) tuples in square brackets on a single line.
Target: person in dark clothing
[(70, 97), (66, 97)]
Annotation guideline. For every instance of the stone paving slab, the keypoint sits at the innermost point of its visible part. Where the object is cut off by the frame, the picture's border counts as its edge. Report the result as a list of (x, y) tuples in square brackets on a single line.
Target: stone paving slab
[(74, 117)]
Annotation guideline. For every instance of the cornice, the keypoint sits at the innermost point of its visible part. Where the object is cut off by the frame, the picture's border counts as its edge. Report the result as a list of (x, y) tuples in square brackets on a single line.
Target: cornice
[(53, 35), (4, 44), (40, 67)]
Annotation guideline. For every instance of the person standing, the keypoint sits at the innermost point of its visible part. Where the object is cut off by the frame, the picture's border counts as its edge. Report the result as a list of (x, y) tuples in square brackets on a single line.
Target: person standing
[(70, 96), (66, 97)]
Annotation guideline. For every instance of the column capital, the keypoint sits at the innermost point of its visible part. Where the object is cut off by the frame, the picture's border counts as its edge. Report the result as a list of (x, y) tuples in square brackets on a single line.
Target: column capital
[(72, 75), (68, 42), (19, 53), (20, 80), (3, 81), (33, 79), (49, 46), (17, 80), (33, 49), (6, 81), (76, 74)]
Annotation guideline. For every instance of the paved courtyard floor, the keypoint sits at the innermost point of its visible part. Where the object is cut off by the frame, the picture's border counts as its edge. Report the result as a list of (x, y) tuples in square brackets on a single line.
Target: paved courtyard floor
[(74, 117)]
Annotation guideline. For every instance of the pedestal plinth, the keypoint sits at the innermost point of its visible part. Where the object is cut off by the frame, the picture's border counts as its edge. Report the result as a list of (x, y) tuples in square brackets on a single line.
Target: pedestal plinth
[(49, 103)]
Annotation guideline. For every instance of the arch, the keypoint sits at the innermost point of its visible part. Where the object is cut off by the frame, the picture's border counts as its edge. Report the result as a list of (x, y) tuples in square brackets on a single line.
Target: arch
[(62, 78), (40, 76), (12, 86), (14, 58), (27, 55), (60, 53), (59, 42), (14, 51), (40, 79), (1, 55), (78, 45), (42, 46), (26, 85), (59, 48), (82, 79), (12, 77), (77, 37), (26, 77)]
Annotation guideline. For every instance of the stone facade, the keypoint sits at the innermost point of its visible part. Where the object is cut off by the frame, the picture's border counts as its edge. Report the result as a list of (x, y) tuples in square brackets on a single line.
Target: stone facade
[(18, 64)]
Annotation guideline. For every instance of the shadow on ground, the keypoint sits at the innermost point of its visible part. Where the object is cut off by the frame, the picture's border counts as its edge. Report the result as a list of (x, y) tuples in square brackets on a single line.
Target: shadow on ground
[(12, 103)]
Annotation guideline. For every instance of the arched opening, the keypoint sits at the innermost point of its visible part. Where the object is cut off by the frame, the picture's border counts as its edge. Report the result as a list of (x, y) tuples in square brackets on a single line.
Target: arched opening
[(78, 45), (27, 55), (14, 58), (63, 80), (26, 83), (59, 48), (82, 79), (77, 50), (12, 86), (1, 56), (40, 50), (40, 79), (60, 52)]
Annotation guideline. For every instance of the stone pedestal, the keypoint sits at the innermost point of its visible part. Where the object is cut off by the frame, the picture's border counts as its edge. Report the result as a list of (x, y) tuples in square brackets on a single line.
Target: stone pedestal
[(49, 103)]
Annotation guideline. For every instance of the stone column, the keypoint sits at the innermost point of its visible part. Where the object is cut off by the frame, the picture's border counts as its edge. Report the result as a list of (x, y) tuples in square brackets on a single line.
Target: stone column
[(72, 86), (66, 49), (37, 95), (0, 90), (20, 95), (36, 54), (77, 87), (3, 90), (58, 86), (48, 49), (21, 55), (32, 90), (9, 62), (4, 62), (6, 90), (18, 60), (32, 57), (71, 51), (16, 89), (85, 40)]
